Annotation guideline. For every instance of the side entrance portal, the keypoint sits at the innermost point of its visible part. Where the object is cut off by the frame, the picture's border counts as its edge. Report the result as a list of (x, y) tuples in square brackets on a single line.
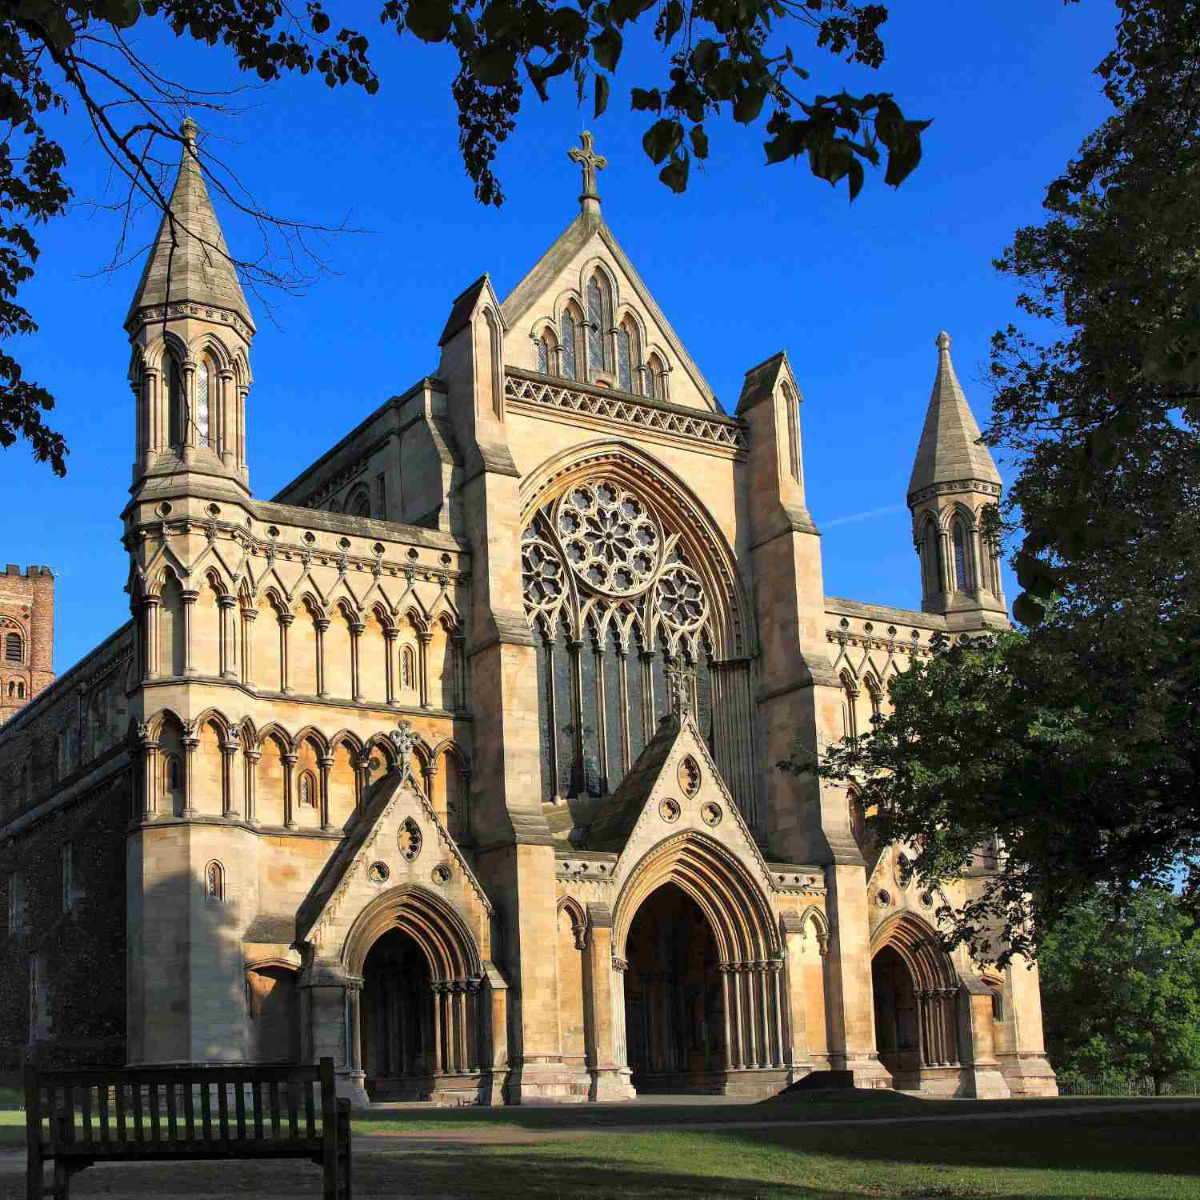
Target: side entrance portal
[(399, 1027), (674, 1007)]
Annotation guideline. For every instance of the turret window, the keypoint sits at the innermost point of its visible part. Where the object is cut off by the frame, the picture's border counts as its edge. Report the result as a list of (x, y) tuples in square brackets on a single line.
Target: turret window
[(960, 558), (214, 882), (14, 651), (595, 327), (202, 410), (174, 402)]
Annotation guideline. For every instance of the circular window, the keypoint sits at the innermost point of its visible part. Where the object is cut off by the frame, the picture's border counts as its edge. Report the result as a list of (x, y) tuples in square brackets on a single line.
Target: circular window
[(440, 874), (378, 872), (883, 898), (926, 899), (711, 814), (669, 810)]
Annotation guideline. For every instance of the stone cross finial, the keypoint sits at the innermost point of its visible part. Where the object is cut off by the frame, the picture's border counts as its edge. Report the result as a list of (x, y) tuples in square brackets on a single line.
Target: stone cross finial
[(404, 737), (681, 694), (189, 129), (943, 340), (590, 162)]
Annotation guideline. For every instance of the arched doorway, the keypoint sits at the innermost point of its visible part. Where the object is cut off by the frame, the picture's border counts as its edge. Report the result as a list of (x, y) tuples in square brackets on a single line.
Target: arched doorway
[(397, 1020), (915, 989), (674, 1007)]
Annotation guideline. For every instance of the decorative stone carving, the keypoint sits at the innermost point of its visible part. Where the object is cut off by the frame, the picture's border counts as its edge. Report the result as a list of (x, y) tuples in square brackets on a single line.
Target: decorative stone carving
[(689, 776), (409, 839)]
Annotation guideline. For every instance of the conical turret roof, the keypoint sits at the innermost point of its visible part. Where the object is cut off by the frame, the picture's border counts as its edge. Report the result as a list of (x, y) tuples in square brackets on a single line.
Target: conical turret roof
[(189, 260), (950, 449)]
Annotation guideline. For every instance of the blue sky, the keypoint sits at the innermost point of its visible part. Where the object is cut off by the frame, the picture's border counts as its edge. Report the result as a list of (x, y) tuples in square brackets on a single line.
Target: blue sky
[(750, 260)]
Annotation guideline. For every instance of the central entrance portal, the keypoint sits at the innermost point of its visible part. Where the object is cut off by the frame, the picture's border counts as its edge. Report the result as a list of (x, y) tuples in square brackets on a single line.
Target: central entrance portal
[(398, 1024), (674, 1006)]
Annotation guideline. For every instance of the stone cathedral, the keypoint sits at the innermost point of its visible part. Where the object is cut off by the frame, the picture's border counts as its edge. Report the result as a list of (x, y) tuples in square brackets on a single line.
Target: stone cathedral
[(455, 760)]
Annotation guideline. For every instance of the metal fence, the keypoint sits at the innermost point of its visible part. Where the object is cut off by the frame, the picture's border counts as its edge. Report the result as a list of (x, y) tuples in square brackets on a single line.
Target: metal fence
[(1071, 1083)]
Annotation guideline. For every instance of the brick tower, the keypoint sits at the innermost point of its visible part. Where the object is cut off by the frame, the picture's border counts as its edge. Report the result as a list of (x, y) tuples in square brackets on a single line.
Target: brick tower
[(26, 635)]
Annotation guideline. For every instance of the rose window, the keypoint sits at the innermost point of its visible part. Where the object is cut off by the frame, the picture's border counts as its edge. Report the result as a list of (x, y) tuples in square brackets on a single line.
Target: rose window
[(680, 596), (609, 537)]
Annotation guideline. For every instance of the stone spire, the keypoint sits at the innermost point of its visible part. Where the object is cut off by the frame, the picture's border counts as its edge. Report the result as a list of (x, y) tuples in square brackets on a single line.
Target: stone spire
[(949, 450), (189, 262), (590, 162)]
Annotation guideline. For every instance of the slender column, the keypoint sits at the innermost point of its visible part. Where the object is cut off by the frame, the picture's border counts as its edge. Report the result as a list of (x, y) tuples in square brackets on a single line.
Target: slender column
[(190, 744), (428, 775), (646, 659), (228, 801), (778, 1001), (601, 714), (325, 762), (320, 625), (150, 637), (727, 983), (977, 577), (424, 637), (362, 774), (251, 779), (356, 632), (285, 623), (438, 1060), (459, 641), (228, 420), (228, 652), (460, 1002), (248, 618), (474, 1061), (189, 399), (289, 770), (620, 1040), (551, 734), (188, 599), (149, 751), (354, 1023), (390, 634), (578, 774), (945, 567), (623, 710)]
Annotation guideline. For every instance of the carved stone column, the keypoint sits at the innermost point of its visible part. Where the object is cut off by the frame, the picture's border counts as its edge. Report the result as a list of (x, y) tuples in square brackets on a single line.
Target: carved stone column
[(320, 625), (149, 631), (228, 431), (356, 632), (623, 710), (285, 682), (428, 775), (289, 771), (793, 1007), (229, 751), (325, 762), (148, 749), (646, 660), (251, 780), (228, 652), (424, 637), (610, 1081), (390, 636), (190, 744), (578, 772), (188, 600), (248, 617), (460, 674)]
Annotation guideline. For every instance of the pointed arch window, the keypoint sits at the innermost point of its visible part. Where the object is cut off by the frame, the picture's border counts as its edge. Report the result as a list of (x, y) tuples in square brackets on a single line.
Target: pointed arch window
[(595, 326), (625, 358), (202, 408), (214, 883), (543, 355), (850, 698), (654, 378), (960, 557), (174, 402), (308, 790), (570, 358), (408, 673), (173, 774)]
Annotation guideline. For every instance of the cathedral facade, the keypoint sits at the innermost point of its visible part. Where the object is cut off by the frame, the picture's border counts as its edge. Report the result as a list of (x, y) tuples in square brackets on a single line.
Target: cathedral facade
[(456, 759)]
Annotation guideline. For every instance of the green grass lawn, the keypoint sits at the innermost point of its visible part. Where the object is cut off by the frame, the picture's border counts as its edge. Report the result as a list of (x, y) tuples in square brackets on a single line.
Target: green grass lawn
[(1148, 1155)]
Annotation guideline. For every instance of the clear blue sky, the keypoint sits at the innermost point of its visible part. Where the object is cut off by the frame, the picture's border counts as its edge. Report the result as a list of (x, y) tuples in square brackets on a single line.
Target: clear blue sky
[(750, 260)]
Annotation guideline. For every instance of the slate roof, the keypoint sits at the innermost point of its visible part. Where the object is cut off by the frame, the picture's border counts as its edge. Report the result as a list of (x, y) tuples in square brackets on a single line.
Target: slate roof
[(949, 449), (189, 260)]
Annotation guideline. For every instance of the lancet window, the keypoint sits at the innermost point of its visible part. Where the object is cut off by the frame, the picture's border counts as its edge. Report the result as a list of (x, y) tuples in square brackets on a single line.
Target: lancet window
[(570, 359), (621, 615), (175, 418), (961, 578), (202, 408), (625, 350), (595, 327), (543, 355)]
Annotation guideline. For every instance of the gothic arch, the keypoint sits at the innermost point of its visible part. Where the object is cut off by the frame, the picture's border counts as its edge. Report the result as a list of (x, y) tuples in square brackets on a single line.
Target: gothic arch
[(314, 735), (597, 265), (280, 735), (916, 943), (731, 900), (731, 621), (813, 917), (443, 936)]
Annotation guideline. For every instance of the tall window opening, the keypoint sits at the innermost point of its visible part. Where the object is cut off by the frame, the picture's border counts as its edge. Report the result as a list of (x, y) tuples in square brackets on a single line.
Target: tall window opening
[(214, 882), (543, 355), (202, 409), (960, 557), (175, 430), (308, 790), (14, 650), (595, 326), (570, 355), (625, 358), (654, 378)]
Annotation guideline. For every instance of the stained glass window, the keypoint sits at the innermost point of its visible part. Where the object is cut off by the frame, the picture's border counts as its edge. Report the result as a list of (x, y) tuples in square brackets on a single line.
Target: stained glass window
[(624, 360), (214, 882), (595, 335), (202, 405), (543, 356), (306, 790), (569, 368)]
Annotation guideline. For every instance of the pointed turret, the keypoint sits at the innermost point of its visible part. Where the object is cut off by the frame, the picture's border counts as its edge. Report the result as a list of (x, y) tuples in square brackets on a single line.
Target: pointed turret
[(191, 330), (190, 262), (954, 478)]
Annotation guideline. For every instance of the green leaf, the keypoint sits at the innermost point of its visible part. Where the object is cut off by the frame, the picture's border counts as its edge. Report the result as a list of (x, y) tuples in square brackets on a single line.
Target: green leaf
[(645, 101), (749, 104), (705, 56), (675, 173), (606, 46), (493, 64), (672, 20), (662, 138), (429, 19), (699, 141), (601, 94), (1028, 611)]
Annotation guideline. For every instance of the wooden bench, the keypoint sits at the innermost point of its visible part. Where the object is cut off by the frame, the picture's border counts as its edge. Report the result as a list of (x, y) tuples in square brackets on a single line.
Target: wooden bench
[(79, 1118)]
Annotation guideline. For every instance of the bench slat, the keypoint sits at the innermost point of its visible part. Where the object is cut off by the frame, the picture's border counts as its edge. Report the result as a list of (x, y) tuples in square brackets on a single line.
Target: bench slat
[(85, 1103), (155, 1132), (120, 1091), (139, 1134), (274, 1108), (258, 1114), (293, 1114), (223, 1112), (206, 1110), (240, 1108), (102, 1105), (172, 1114), (310, 1111)]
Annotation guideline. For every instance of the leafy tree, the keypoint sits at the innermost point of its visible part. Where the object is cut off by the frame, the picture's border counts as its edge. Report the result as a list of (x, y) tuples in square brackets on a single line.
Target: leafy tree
[(1121, 985), (1078, 744), (720, 56)]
